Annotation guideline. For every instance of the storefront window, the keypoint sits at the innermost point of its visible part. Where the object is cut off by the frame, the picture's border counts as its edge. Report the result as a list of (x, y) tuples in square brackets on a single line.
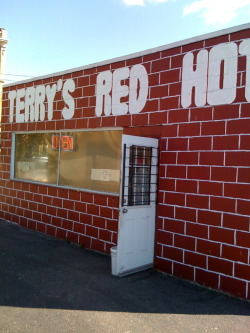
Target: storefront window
[(88, 160), (35, 159)]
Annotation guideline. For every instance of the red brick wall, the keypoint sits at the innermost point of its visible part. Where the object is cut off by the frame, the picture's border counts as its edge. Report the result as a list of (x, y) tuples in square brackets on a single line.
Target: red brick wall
[(202, 224), (87, 219)]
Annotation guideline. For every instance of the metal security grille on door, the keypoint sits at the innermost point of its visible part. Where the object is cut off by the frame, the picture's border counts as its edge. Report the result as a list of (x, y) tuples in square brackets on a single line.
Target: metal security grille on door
[(139, 176)]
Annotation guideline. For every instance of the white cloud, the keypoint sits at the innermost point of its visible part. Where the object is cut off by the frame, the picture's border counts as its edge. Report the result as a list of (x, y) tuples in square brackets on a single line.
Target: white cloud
[(217, 11), (142, 2), (158, 1), (134, 2)]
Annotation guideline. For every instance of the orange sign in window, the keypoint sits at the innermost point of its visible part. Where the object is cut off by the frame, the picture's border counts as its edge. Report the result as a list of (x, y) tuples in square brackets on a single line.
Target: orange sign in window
[(66, 141), (55, 142)]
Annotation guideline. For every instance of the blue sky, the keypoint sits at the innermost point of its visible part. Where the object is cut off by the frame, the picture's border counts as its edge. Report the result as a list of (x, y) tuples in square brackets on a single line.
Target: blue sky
[(54, 35)]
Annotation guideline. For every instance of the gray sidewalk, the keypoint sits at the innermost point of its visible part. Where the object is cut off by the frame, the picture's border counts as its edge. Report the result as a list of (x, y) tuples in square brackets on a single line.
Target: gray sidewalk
[(47, 285)]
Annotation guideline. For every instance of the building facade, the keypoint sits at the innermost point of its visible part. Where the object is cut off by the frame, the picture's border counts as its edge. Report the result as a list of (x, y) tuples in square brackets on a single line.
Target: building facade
[(148, 152)]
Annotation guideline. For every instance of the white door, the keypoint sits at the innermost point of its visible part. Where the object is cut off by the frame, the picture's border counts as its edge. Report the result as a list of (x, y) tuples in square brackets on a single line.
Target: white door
[(135, 248)]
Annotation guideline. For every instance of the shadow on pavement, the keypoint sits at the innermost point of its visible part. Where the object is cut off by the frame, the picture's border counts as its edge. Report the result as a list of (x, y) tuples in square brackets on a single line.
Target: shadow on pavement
[(38, 271)]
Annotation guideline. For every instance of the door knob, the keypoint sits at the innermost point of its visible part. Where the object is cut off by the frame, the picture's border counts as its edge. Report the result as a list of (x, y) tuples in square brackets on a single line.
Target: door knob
[(124, 210)]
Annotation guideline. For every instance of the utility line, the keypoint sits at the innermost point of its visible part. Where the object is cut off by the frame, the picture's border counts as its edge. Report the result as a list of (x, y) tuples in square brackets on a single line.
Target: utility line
[(8, 80), (19, 75)]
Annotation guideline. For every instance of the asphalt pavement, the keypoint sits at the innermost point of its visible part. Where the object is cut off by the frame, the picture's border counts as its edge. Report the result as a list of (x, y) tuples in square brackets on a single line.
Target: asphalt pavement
[(48, 285)]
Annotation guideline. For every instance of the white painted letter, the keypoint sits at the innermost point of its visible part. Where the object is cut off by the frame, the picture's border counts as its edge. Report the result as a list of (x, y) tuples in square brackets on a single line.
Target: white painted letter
[(29, 104), (12, 97), (245, 50), (197, 79), (226, 55), (138, 88), (103, 89), (20, 105), (119, 91), (69, 86), (39, 103), (50, 93)]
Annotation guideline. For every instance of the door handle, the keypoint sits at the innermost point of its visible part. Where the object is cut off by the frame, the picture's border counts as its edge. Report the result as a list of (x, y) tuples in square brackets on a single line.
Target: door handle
[(124, 210)]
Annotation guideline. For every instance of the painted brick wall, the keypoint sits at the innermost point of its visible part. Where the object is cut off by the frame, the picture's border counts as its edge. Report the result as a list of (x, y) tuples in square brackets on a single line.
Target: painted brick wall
[(203, 223), (87, 219)]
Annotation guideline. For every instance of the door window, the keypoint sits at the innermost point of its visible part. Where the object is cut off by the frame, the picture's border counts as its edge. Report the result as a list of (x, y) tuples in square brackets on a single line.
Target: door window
[(138, 180)]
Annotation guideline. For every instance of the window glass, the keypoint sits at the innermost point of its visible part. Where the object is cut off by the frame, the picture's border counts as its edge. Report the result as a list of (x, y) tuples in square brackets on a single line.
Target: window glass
[(87, 160), (139, 175), (35, 159), (92, 160)]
